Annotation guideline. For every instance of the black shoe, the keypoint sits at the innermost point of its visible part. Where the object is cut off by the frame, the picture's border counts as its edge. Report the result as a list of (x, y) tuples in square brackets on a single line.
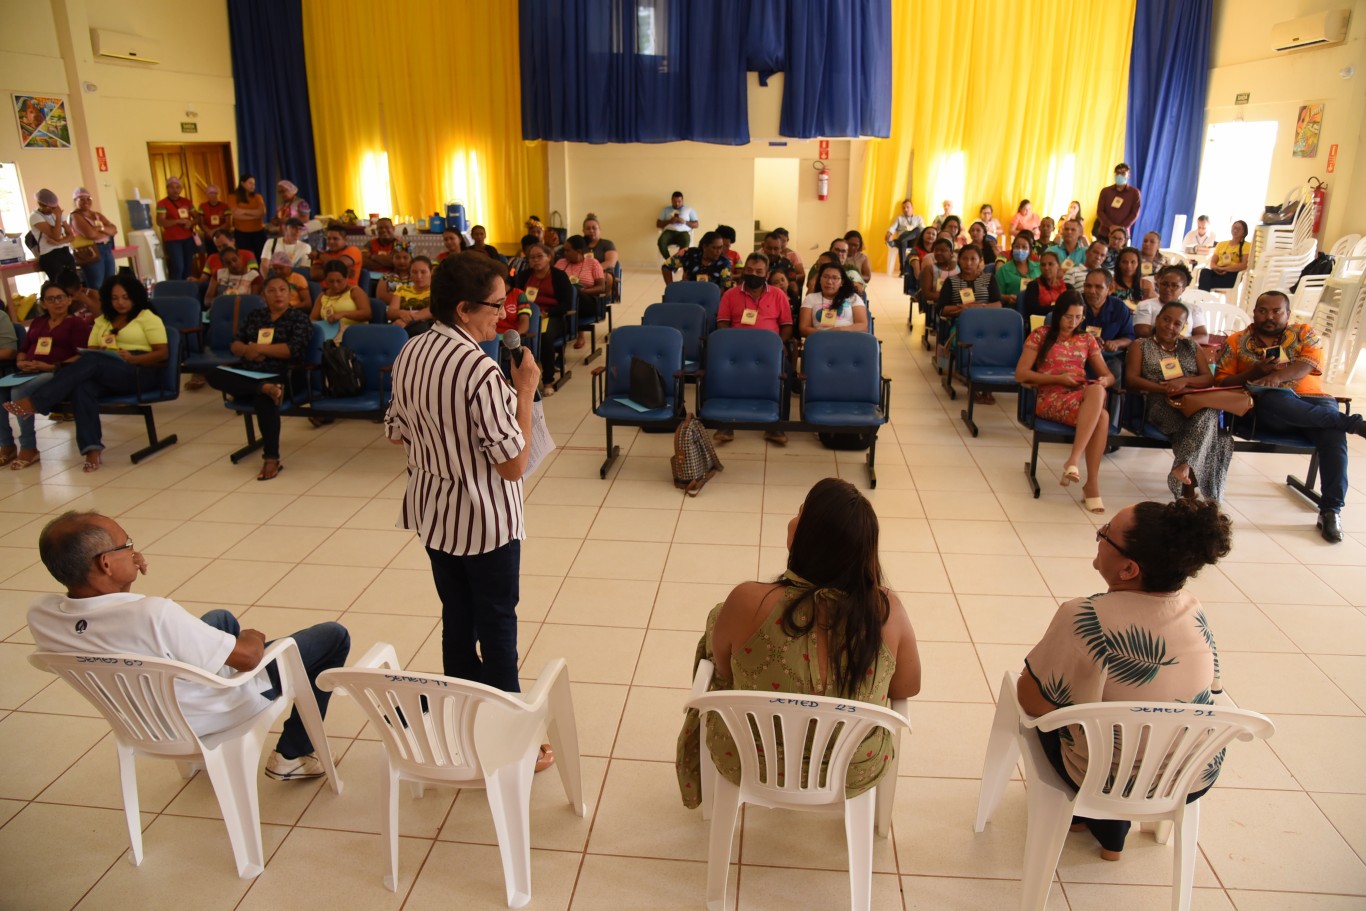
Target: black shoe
[(1330, 526)]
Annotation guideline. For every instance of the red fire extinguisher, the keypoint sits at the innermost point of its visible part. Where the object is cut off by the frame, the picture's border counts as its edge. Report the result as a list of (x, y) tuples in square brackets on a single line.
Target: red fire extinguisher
[(1318, 194), (822, 180)]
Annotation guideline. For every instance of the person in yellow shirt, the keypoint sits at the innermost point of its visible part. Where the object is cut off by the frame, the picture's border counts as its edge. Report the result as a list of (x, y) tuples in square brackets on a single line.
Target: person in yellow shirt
[(1228, 259), (127, 349), (339, 301)]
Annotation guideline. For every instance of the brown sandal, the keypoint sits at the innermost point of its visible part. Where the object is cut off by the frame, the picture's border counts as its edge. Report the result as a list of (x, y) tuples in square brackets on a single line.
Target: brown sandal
[(269, 469), (19, 411), (91, 464), (7, 454), (20, 462)]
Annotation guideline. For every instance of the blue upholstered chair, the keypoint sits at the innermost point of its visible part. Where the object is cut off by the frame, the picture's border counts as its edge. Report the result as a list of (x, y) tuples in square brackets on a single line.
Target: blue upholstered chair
[(743, 384), (176, 288), (225, 316), (375, 348), (689, 319), (660, 346), (140, 401), (708, 294), (298, 392), (989, 344), (843, 390)]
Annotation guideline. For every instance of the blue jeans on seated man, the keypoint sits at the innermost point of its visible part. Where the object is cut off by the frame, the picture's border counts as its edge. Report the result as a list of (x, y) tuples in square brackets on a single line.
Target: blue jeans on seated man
[(1318, 418), (83, 382), (321, 647)]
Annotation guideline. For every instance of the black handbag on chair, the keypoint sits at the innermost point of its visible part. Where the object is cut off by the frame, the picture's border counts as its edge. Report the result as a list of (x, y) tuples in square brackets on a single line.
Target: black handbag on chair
[(647, 386)]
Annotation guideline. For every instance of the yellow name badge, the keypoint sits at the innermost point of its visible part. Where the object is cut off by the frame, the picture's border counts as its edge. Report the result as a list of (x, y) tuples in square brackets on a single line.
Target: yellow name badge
[(265, 336), (1116, 202), (215, 219), (1147, 269), (1171, 368), (702, 278), (184, 212), (966, 295), (44, 345), (1024, 283), (749, 317), (109, 341), (328, 311), (589, 254), (531, 294), (828, 317), (573, 279), (1094, 332)]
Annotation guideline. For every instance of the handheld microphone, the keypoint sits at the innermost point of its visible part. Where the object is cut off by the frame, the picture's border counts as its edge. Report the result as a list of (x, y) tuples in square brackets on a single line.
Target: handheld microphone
[(512, 341)]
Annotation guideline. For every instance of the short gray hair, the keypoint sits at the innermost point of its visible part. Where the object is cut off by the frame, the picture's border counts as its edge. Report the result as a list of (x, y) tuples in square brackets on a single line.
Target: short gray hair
[(69, 544)]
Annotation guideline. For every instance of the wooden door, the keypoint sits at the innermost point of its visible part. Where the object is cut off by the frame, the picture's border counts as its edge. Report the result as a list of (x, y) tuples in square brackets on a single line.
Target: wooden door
[(197, 164)]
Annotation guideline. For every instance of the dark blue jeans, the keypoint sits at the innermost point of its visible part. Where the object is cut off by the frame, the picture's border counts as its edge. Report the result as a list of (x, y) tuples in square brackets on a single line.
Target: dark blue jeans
[(82, 384), (479, 597), (322, 647), (1320, 419), (94, 274), (180, 258)]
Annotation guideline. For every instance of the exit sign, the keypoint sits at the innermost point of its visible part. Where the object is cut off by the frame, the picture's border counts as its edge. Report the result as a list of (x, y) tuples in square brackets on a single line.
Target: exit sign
[(187, 126), (1242, 98)]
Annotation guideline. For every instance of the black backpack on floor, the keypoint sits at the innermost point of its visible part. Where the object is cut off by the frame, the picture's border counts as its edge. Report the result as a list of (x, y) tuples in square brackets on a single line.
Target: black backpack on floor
[(342, 376)]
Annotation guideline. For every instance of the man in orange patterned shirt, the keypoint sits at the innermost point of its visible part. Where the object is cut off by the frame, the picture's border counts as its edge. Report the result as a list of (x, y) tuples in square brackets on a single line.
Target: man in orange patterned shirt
[(1280, 364)]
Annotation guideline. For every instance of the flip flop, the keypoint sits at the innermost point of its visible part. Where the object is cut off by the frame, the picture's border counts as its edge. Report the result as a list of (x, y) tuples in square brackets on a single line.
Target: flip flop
[(1094, 504), (1070, 475), (278, 395), (263, 476), (546, 759), (88, 466)]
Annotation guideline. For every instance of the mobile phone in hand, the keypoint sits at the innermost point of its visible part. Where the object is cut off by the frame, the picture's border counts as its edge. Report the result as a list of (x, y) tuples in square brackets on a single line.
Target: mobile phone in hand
[(1273, 353)]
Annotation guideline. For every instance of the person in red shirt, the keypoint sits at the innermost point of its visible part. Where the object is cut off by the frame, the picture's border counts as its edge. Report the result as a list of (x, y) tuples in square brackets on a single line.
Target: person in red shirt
[(755, 304), (453, 241), (549, 289), (222, 242), (517, 313), (379, 253), (587, 273), (213, 214), (52, 340), (175, 218), (337, 247), (728, 237)]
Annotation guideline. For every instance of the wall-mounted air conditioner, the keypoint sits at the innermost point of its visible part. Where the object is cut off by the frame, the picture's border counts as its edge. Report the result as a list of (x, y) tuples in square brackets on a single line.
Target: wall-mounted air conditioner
[(1316, 30), (120, 46)]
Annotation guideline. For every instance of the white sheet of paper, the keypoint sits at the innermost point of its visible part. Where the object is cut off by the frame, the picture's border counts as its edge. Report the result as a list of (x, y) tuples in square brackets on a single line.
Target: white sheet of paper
[(542, 443)]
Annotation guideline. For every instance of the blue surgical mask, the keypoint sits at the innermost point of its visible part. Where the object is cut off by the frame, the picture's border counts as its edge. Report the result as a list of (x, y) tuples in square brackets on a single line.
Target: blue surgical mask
[(1121, 179), (1019, 255)]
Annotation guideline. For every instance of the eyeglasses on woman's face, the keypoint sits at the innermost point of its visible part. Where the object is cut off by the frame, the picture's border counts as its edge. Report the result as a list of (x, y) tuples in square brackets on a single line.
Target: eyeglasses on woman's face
[(1103, 534)]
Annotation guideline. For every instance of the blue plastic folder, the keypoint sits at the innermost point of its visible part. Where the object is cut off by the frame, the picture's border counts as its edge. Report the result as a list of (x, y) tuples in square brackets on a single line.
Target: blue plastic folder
[(252, 374), (631, 403), (16, 379)]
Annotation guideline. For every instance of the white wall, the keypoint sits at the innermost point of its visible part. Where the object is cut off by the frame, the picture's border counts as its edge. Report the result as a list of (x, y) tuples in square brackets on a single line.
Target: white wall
[(1242, 61)]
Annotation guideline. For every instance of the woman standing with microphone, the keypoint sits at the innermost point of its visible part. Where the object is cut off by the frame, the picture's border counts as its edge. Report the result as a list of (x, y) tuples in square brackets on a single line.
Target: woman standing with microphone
[(467, 434)]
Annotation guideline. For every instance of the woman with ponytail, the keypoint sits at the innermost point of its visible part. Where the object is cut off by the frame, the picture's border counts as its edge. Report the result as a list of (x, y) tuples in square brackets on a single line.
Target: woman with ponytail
[(1145, 639), (827, 627)]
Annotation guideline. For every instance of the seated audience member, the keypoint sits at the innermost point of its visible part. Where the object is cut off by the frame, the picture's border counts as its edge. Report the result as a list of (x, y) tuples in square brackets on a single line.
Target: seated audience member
[(1043, 238), (52, 340), (728, 238), (676, 223), (778, 261), (410, 302), (952, 229), (336, 247), (1228, 259), (829, 626), (777, 278), (1075, 276), (1073, 213), (1013, 276), (1281, 363), (1040, 295), (554, 241), (1025, 219), (1055, 359), (236, 277), (290, 242), (452, 241), (1116, 240), (971, 287), (479, 244), (534, 228), (945, 213), (271, 340), (1201, 238), (704, 263), (213, 214), (1150, 254), (340, 301), (175, 217), (85, 302), (834, 305), (987, 216), (585, 274), (923, 248), (300, 294), (93, 229), (95, 560), (1165, 364), (942, 263), (517, 314), (904, 231), (1107, 318), (789, 251), (601, 249), (399, 274), (1071, 251), (857, 258), (223, 241), (1171, 282), (1129, 281), (839, 254), (755, 304), (1145, 554), (132, 343), (517, 264), (378, 255), (553, 294), (289, 204)]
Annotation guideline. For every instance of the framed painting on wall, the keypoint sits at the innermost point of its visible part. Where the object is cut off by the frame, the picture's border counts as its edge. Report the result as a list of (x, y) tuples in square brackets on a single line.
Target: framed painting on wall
[(42, 121), (1307, 129)]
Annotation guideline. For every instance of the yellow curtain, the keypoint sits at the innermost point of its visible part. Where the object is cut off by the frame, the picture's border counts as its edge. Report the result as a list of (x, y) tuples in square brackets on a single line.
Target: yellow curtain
[(418, 104), (996, 102)]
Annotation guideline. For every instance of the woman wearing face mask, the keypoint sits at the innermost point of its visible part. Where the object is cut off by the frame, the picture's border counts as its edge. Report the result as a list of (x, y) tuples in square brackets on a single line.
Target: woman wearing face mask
[(1014, 276), (1040, 295), (836, 305)]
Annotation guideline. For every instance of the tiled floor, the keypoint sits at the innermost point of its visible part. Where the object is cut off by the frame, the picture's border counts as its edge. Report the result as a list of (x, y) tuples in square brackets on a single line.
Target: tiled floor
[(619, 575)]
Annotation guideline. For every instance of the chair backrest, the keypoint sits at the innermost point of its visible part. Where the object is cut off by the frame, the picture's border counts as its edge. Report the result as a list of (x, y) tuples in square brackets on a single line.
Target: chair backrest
[(843, 367), (375, 347), (435, 727), (764, 725), (1144, 758), (1221, 318), (1345, 244), (135, 694), (175, 288), (222, 328), (708, 294), (996, 335), (660, 346), (746, 364), (179, 313), (170, 374), (688, 318)]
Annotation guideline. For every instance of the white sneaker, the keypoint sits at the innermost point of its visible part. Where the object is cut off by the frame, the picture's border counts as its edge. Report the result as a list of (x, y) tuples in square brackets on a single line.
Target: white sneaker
[(301, 768)]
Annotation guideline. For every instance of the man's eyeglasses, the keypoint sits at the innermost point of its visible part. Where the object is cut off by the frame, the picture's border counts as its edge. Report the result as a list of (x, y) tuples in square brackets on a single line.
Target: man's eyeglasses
[(1103, 534), (128, 545)]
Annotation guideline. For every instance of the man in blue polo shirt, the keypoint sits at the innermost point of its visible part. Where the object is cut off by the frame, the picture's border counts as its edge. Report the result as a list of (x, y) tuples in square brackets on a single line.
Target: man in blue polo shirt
[(1107, 318)]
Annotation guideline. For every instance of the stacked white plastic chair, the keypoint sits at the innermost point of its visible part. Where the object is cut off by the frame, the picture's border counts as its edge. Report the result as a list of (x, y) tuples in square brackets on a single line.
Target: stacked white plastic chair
[(1343, 312)]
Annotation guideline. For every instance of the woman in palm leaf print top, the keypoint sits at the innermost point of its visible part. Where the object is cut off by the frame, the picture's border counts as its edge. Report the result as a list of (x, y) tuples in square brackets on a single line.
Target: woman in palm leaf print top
[(1143, 639)]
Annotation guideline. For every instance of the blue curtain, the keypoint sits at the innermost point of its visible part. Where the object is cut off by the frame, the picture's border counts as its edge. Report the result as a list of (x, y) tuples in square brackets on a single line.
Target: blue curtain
[(766, 38), (839, 69), (1168, 75), (274, 124), (634, 71)]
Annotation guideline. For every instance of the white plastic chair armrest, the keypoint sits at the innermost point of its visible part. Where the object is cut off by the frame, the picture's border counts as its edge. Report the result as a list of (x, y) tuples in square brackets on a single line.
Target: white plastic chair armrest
[(381, 654), (903, 708), (702, 679), (277, 648), (550, 674)]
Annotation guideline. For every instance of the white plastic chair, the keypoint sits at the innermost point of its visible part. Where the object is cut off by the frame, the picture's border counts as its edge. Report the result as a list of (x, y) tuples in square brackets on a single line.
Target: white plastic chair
[(1344, 244), (1222, 318), (835, 728), (136, 695), (447, 731), (1177, 741)]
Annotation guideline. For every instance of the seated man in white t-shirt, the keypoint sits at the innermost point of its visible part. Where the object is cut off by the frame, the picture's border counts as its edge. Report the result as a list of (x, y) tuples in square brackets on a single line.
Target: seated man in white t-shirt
[(1171, 282), (1201, 238), (94, 558)]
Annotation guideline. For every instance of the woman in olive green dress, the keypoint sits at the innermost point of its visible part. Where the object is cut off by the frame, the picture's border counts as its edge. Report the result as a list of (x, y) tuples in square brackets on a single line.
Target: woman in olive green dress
[(827, 627)]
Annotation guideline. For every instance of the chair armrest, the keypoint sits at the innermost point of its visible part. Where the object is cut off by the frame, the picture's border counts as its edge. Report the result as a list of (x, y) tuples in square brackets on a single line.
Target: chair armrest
[(381, 654), (193, 330), (599, 370), (702, 679)]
